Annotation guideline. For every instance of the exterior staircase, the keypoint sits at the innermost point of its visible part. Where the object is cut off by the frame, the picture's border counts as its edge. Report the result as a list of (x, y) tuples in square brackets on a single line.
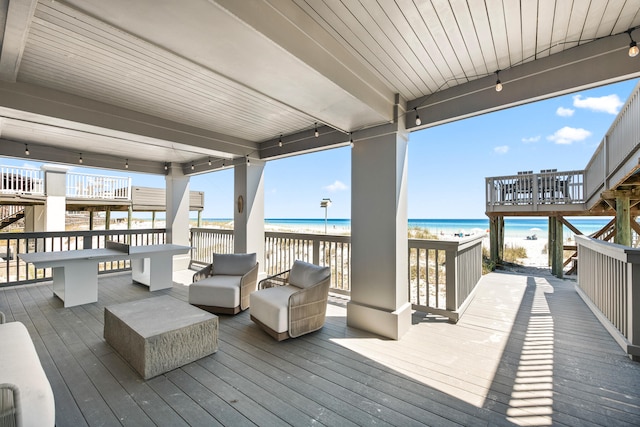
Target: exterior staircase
[(10, 214)]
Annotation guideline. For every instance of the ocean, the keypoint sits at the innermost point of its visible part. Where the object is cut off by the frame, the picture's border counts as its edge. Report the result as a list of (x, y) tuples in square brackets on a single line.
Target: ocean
[(514, 227)]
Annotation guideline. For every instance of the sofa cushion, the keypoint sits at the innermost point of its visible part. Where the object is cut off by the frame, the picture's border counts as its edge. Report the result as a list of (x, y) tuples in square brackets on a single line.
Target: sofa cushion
[(216, 291), (233, 264), (303, 274), (271, 306)]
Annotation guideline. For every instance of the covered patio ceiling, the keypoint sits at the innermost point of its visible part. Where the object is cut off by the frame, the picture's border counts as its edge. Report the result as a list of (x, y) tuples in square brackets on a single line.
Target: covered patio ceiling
[(206, 83)]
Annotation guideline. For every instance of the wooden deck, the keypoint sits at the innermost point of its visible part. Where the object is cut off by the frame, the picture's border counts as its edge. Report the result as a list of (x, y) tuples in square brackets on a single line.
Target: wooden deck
[(527, 352)]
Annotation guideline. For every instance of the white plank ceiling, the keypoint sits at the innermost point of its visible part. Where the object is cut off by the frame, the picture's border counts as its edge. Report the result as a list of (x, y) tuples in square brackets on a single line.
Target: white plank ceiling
[(159, 81)]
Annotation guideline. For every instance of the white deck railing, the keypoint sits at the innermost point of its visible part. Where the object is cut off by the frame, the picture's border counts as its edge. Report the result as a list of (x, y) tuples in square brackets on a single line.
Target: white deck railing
[(616, 156), (281, 249), (15, 180), (536, 190), (443, 274), (609, 282), (448, 270), (85, 186)]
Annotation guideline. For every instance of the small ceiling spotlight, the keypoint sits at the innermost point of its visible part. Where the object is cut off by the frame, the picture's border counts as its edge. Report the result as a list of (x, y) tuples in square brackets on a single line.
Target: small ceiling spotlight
[(498, 82), (418, 121), (351, 139), (80, 159), (316, 133), (280, 141), (26, 150), (222, 162), (166, 166), (193, 166), (126, 164), (248, 161), (209, 161), (633, 46)]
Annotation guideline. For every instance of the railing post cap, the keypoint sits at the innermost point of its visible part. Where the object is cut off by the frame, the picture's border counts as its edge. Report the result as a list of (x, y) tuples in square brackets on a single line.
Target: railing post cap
[(55, 168)]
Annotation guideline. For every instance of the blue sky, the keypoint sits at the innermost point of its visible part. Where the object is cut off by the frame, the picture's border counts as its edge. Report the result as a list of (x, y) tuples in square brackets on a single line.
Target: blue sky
[(447, 163)]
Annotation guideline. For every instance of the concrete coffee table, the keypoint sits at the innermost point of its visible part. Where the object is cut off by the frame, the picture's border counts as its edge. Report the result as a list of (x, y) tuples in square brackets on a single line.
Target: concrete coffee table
[(156, 335)]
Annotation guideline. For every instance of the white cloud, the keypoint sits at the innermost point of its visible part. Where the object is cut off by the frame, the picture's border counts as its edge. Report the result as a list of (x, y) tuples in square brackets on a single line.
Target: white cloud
[(531, 139), (569, 135), (501, 149), (605, 104), (336, 186), (565, 112)]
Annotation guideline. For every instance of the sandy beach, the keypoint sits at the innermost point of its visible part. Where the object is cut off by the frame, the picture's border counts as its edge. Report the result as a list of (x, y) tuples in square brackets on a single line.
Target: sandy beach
[(537, 255)]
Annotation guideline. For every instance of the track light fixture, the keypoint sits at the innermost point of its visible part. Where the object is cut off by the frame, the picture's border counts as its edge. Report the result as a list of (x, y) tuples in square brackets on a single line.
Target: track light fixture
[(166, 166), (316, 133), (126, 164), (193, 166), (80, 159), (633, 46), (280, 141), (418, 121), (209, 161), (26, 150), (498, 82)]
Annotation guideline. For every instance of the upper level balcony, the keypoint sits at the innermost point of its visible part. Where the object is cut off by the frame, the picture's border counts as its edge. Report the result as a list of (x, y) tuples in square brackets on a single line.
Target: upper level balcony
[(30, 183), (26, 186), (613, 168), (529, 193)]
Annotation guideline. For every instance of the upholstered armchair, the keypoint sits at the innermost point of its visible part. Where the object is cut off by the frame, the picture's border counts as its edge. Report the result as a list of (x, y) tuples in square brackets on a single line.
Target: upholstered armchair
[(224, 286), (292, 303)]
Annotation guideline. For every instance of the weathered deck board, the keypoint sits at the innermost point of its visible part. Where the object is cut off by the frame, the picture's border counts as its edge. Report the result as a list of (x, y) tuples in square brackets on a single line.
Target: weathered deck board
[(526, 352)]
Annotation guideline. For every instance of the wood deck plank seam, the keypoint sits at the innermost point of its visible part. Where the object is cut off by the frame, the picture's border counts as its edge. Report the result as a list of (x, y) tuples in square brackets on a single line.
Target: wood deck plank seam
[(326, 373), (575, 399)]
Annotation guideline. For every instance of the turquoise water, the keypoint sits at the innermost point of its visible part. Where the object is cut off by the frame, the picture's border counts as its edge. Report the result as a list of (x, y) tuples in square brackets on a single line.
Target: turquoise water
[(514, 227)]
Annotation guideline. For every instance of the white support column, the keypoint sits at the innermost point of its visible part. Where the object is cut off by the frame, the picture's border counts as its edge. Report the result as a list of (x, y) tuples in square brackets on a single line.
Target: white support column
[(55, 185), (248, 210), (177, 199), (379, 291)]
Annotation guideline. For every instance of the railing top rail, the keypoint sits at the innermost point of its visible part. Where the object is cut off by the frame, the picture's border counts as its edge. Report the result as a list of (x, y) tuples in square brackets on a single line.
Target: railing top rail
[(613, 250), (83, 233), (114, 177), (571, 172), (213, 229), (3, 167), (308, 236), (459, 245)]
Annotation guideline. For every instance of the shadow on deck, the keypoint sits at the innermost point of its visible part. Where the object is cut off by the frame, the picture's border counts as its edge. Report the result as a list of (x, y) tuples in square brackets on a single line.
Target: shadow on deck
[(527, 352)]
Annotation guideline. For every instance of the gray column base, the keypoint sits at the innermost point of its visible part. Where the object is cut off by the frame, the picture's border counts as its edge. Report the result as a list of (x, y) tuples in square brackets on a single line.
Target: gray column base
[(389, 324)]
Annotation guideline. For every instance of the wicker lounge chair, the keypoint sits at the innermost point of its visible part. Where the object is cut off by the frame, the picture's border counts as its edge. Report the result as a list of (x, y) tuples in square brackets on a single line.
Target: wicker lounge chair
[(224, 286), (292, 303)]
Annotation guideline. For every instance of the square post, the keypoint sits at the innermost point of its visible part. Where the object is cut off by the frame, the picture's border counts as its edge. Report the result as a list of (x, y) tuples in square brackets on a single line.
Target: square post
[(379, 293), (248, 212)]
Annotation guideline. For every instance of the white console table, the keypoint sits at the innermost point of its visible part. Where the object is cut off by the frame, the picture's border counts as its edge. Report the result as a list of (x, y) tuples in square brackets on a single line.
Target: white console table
[(75, 273)]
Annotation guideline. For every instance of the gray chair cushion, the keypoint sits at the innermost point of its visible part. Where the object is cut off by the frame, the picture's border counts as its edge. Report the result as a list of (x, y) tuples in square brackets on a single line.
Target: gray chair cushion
[(271, 306), (233, 264), (217, 291), (304, 275)]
